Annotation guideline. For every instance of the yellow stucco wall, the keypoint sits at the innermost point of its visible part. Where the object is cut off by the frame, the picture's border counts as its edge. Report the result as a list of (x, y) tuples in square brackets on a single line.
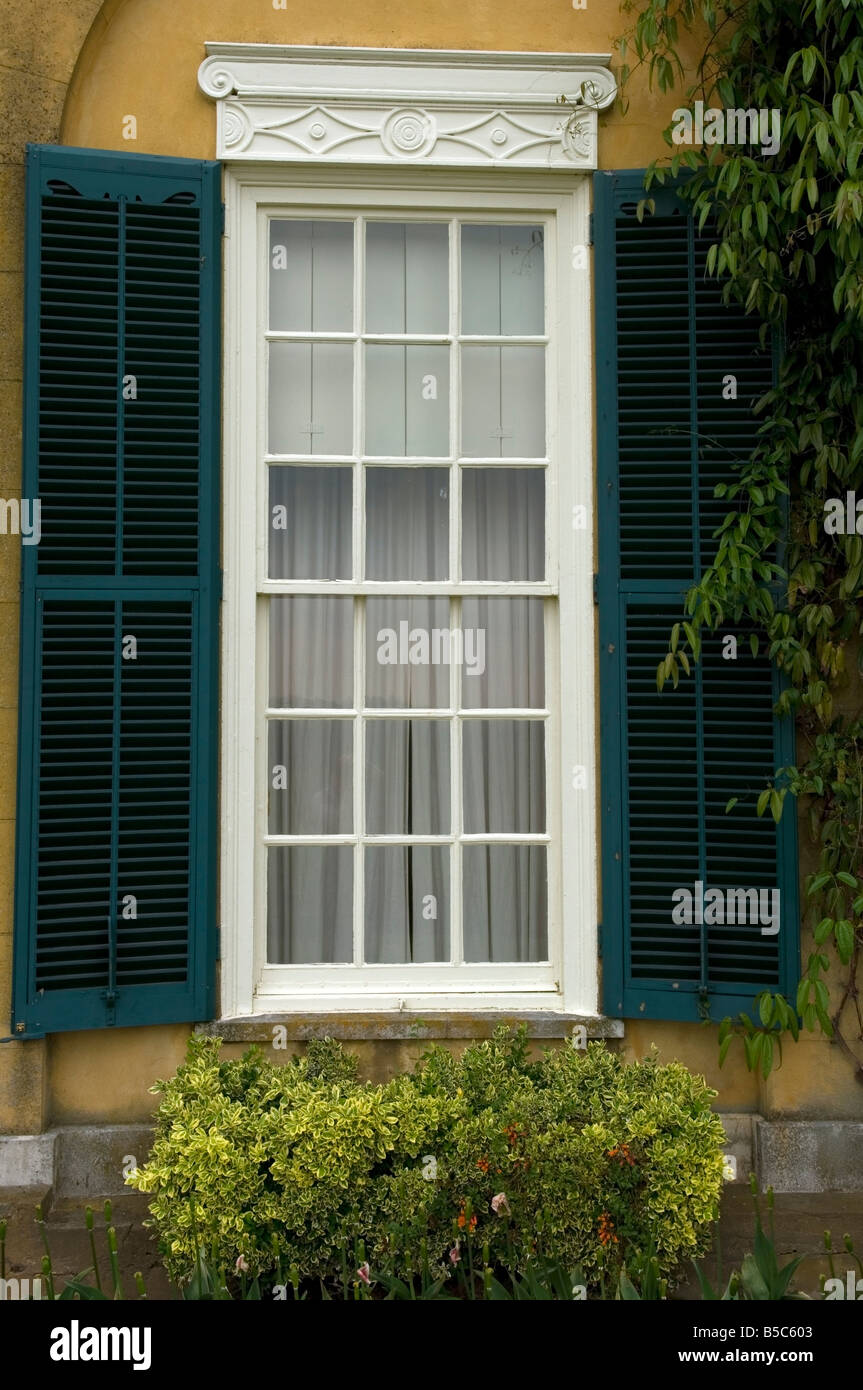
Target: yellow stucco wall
[(71, 72)]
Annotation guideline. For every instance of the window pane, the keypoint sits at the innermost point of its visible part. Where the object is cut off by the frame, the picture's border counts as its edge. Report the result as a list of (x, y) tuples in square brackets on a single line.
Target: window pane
[(405, 647), (407, 401), (310, 899), (310, 523), (507, 639), (505, 903), (503, 402), (311, 391), (310, 767), (407, 777), (407, 277), (503, 766), (311, 276), (311, 652), (407, 903), (407, 523), (502, 280), (503, 523)]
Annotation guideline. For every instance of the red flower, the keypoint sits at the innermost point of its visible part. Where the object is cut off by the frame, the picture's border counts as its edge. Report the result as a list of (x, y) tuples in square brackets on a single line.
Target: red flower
[(463, 1220), (606, 1230), (622, 1153)]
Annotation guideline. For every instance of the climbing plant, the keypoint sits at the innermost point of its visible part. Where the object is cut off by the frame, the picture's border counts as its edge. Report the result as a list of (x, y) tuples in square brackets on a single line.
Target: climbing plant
[(788, 245)]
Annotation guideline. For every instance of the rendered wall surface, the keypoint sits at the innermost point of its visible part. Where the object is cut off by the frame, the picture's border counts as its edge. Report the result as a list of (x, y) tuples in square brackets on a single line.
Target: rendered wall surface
[(71, 72)]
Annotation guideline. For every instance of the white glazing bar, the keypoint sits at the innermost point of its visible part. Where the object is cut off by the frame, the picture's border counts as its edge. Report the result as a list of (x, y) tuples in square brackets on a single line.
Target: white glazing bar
[(418, 588), (282, 712), (359, 605), (456, 812), (455, 914), (359, 777)]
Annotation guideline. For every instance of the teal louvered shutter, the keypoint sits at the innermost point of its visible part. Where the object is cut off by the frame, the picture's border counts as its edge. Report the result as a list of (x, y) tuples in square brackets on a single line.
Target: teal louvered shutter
[(116, 828), (669, 429)]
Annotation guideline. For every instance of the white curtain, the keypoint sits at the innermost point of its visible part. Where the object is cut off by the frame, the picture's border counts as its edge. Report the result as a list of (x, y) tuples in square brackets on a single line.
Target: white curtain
[(406, 761), (407, 774)]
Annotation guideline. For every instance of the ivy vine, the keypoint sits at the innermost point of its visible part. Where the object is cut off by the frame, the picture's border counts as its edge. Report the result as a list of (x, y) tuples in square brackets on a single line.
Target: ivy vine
[(788, 247)]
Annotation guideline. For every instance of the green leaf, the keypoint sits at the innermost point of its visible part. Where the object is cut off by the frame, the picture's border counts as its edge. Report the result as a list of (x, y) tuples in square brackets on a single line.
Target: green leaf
[(818, 882), (844, 940), (823, 930), (751, 1280), (810, 58), (87, 1293), (765, 1256)]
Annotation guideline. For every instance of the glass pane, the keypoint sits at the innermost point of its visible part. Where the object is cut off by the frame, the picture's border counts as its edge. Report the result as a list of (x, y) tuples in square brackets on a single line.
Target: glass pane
[(407, 903), (310, 523), (310, 770), (311, 276), (505, 903), (310, 398), (503, 523), (407, 523), (407, 777), (507, 636), (407, 277), (502, 280), (407, 401), (407, 655), (310, 904), (503, 766), (503, 402), (311, 652)]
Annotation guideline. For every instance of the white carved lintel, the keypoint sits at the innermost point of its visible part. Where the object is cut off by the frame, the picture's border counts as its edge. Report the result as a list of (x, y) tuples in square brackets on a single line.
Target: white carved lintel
[(414, 106)]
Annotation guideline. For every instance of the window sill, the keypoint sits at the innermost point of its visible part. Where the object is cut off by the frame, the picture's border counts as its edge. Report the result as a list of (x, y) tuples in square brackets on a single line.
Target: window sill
[(399, 1026)]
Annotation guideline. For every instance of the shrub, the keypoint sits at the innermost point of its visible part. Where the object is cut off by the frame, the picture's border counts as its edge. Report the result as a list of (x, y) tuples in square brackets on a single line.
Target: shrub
[(578, 1156)]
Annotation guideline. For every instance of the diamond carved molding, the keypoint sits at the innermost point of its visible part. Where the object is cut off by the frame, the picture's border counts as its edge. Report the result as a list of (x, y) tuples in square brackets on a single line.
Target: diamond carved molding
[(439, 108)]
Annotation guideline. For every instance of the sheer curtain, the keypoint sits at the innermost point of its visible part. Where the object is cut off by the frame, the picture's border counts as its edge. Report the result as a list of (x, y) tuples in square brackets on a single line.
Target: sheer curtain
[(407, 761), (405, 764)]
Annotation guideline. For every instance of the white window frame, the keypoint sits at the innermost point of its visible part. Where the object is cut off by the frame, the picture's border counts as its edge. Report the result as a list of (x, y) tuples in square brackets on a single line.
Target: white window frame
[(253, 193)]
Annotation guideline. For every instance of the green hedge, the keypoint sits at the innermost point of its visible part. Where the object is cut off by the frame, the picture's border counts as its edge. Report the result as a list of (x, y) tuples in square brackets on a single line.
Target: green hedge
[(300, 1165)]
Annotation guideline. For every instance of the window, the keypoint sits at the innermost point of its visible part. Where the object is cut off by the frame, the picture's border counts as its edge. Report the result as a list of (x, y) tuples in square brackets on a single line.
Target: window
[(404, 454)]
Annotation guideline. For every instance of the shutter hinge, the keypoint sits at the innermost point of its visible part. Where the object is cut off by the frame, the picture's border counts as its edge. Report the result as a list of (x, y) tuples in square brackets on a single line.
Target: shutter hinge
[(110, 998), (590, 229), (599, 940), (596, 588), (221, 219)]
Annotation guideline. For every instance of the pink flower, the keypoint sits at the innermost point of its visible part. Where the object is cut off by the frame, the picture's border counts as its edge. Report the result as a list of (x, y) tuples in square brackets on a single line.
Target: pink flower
[(499, 1204), (363, 1272), (454, 1254), (241, 1267)]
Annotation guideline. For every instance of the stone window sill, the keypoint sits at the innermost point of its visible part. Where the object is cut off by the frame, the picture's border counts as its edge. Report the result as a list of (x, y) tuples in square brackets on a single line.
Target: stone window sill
[(400, 1026)]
